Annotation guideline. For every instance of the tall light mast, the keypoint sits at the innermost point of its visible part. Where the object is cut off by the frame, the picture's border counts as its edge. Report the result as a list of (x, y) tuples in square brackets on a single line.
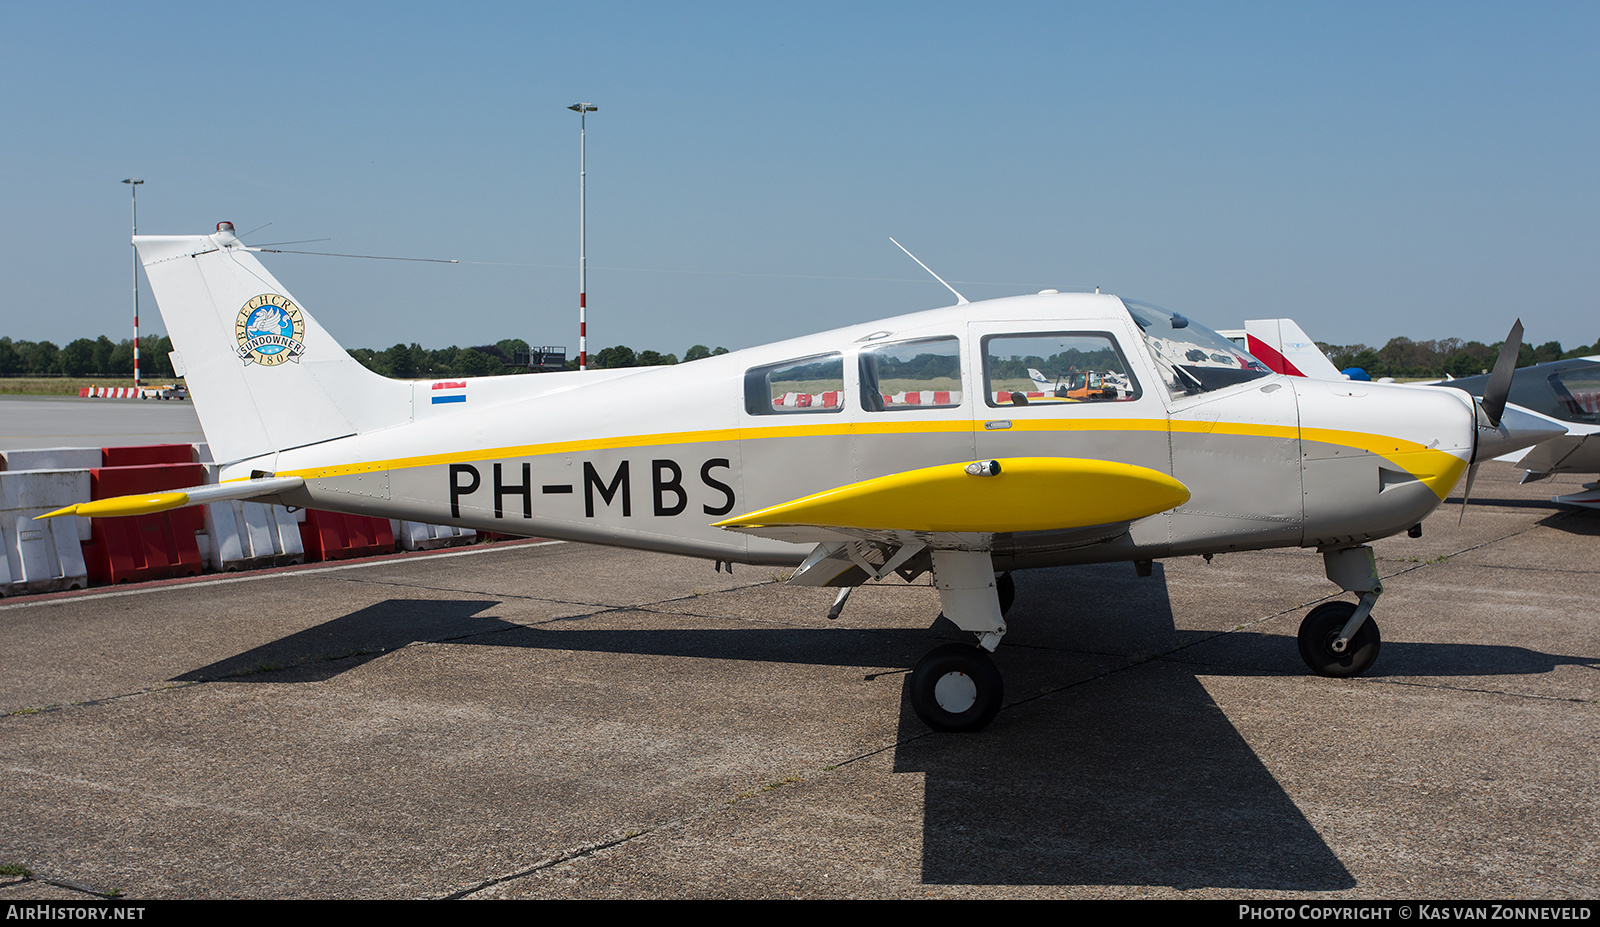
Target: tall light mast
[(133, 187), (583, 110)]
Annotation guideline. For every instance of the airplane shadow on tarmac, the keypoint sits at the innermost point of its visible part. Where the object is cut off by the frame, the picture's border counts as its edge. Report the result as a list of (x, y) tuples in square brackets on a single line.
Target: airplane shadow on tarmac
[(1101, 770)]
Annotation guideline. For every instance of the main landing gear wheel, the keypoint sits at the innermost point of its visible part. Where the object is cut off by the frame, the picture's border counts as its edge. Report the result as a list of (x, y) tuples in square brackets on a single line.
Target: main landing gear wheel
[(1323, 626), (956, 688)]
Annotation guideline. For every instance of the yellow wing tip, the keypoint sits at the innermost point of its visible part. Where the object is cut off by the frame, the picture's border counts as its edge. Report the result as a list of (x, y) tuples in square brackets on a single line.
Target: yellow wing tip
[(120, 506), (69, 510)]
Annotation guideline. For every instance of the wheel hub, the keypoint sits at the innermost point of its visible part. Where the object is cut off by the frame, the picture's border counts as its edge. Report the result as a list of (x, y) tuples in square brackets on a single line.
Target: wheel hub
[(955, 692)]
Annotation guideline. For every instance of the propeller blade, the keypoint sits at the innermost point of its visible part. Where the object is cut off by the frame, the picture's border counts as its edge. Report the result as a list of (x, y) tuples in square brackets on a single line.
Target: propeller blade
[(1499, 385), (1466, 494), (1493, 403)]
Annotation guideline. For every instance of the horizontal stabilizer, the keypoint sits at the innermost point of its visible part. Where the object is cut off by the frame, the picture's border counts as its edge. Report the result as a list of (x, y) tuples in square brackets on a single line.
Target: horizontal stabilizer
[(150, 502), (988, 497)]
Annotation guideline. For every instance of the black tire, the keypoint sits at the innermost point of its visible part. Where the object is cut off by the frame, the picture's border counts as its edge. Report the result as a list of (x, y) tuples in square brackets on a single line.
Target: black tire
[(1006, 587), (1321, 628), (955, 688)]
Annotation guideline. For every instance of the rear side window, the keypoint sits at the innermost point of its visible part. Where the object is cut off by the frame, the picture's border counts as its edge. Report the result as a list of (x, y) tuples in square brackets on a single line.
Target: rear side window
[(911, 375), (809, 384), (1060, 369)]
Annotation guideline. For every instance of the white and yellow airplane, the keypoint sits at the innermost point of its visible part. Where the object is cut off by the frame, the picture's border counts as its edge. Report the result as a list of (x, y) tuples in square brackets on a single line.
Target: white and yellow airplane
[(906, 445)]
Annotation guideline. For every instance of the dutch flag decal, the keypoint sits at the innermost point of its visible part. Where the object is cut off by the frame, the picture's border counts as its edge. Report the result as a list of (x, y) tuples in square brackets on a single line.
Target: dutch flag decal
[(450, 391)]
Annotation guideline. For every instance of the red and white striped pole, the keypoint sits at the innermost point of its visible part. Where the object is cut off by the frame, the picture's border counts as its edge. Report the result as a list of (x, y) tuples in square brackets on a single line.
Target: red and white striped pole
[(133, 186), (583, 110)]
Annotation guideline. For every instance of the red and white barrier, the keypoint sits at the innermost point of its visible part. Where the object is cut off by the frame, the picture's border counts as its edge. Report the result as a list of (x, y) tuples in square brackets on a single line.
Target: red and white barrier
[(925, 397), (827, 400), (72, 553), (125, 392)]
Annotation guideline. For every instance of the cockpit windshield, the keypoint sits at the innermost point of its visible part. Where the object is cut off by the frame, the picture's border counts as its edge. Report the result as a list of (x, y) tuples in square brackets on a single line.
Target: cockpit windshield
[(1192, 358)]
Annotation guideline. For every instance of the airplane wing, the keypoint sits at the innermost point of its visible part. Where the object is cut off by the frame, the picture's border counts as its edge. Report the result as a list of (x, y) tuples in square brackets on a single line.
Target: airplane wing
[(879, 524), (1574, 452), (147, 503)]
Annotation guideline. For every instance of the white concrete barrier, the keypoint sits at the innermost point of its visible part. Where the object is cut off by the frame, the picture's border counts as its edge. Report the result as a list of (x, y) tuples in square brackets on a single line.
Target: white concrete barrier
[(248, 535), (42, 556), (52, 458), (414, 535)]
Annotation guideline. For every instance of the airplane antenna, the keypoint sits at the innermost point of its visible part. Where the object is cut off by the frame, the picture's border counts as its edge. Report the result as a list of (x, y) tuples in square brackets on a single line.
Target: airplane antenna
[(370, 257), (960, 300)]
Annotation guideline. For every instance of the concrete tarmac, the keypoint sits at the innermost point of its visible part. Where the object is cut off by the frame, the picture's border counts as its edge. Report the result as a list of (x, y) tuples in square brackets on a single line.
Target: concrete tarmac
[(67, 421), (563, 721)]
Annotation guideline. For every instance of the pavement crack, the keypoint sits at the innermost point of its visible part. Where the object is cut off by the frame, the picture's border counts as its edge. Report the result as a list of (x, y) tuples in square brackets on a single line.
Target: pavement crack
[(25, 710), (1480, 690)]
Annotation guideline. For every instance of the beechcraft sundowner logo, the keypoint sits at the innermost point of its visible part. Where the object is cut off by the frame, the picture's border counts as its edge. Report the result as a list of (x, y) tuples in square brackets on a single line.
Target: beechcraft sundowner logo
[(270, 330)]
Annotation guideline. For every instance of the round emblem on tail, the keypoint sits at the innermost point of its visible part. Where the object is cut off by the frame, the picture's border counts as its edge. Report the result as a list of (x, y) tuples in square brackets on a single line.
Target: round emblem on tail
[(270, 331)]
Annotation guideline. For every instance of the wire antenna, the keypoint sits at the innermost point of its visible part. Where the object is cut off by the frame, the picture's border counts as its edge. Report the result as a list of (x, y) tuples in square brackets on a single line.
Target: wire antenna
[(370, 257), (960, 300)]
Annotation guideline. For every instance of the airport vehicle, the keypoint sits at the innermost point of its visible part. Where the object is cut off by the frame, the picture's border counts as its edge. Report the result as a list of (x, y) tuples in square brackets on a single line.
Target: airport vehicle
[(905, 445), (1078, 385)]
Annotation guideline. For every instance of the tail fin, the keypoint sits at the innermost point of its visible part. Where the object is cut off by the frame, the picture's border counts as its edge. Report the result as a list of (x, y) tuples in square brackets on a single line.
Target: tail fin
[(1281, 345), (263, 375)]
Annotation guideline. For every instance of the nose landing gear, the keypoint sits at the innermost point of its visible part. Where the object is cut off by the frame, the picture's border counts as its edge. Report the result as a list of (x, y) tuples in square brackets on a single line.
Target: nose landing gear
[(1339, 638), (1320, 641)]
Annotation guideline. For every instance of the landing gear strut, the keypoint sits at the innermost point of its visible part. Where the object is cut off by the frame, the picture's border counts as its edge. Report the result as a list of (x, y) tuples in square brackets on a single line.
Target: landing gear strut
[(956, 686)]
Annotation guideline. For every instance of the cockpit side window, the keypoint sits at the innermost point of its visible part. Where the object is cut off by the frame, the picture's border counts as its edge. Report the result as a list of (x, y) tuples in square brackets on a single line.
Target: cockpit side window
[(1569, 391), (1191, 358), (805, 385), (1060, 368), (911, 375)]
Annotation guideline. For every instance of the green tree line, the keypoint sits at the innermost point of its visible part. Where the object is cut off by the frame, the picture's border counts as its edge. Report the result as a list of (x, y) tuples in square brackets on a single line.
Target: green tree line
[(102, 357), (84, 357), (99, 357), (415, 362), (1402, 357)]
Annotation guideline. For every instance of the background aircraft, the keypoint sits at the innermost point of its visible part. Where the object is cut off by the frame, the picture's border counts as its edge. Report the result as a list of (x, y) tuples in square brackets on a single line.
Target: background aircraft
[(907, 445), (1565, 391), (1284, 347)]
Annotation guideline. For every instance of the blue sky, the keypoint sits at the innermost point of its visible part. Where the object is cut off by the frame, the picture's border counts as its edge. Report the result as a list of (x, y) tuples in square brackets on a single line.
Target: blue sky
[(1372, 170)]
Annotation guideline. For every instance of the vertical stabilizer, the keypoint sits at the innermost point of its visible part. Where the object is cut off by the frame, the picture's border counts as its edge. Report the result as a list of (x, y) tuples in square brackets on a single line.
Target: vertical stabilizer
[(1282, 346), (263, 375)]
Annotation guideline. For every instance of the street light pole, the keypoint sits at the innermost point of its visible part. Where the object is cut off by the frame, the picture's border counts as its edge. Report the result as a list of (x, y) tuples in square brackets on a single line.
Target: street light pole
[(583, 110), (133, 187)]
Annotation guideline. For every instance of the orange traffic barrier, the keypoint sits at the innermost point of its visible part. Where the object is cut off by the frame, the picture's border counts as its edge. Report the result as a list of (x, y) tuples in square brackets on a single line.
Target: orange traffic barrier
[(141, 547), (142, 454), (335, 536)]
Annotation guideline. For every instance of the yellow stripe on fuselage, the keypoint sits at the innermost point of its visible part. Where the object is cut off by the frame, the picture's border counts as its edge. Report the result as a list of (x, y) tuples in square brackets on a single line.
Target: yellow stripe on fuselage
[(1438, 469)]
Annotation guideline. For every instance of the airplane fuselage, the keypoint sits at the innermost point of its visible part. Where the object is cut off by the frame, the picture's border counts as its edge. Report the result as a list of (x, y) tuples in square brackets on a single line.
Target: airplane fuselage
[(651, 457)]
